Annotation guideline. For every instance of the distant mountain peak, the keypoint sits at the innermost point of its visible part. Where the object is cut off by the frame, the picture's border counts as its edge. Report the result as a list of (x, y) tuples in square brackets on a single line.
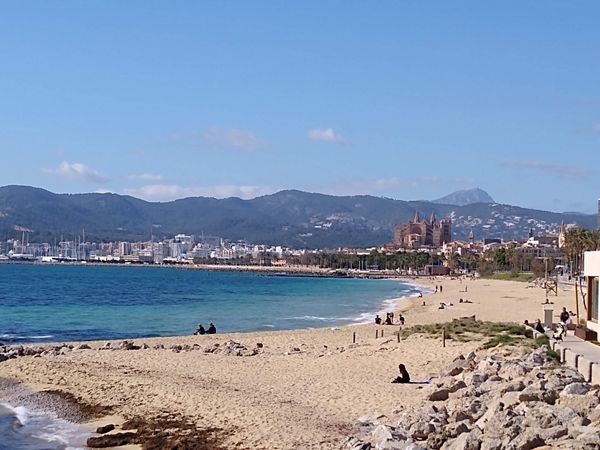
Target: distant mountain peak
[(465, 197)]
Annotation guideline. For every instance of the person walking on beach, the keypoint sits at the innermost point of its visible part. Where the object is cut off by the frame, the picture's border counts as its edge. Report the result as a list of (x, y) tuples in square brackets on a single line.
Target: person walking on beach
[(441, 288)]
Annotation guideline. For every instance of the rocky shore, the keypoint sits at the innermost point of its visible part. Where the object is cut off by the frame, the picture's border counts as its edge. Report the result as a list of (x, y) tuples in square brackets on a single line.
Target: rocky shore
[(495, 401)]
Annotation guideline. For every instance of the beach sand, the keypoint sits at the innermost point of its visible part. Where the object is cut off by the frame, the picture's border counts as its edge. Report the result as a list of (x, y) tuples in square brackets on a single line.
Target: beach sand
[(282, 398)]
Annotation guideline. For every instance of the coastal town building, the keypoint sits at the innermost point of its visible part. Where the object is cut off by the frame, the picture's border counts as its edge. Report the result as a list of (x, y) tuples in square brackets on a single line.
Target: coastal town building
[(421, 232)]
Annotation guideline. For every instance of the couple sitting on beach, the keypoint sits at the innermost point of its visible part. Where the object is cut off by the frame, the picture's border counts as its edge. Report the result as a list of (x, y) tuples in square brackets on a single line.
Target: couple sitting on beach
[(211, 329)]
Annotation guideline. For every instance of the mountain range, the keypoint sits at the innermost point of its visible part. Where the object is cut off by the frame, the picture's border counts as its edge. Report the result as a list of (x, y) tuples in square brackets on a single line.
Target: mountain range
[(292, 218)]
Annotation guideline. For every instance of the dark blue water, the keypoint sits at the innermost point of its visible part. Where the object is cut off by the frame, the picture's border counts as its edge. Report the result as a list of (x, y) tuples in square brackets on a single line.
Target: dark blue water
[(48, 303)]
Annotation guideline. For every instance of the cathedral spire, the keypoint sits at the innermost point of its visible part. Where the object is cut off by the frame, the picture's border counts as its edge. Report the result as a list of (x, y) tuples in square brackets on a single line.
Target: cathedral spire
[(432, 217), (417, 218)]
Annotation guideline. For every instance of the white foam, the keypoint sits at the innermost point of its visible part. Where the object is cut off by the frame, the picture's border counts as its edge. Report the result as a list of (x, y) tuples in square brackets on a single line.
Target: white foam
[(48, 427), (20, 412), (318, 318), (392, 303)]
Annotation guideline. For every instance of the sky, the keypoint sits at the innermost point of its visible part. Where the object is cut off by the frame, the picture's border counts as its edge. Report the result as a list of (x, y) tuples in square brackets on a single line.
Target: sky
[(402, 99)]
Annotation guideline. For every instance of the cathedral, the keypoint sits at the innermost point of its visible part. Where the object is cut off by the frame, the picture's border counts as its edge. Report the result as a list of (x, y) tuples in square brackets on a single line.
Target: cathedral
[(423, 233)]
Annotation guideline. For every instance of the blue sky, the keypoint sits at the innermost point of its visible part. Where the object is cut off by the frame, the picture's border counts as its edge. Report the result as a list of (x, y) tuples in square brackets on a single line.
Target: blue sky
[(409, 100)]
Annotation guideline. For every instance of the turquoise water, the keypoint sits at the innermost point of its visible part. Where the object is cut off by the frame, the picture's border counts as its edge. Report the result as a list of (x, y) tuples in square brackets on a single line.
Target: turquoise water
[(49, 303)]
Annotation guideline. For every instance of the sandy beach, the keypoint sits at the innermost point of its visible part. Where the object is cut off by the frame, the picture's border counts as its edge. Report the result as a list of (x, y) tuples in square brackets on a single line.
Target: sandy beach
[(303, 389)]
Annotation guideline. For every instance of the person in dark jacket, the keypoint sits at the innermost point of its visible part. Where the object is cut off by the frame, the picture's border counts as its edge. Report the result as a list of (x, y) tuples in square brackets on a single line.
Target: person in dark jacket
[(200, 329), (211, 329), (539, 327), (404, 377)]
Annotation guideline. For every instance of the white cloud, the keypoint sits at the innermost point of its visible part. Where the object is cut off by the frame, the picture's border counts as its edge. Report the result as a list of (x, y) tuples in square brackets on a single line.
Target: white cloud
[(564, 171), (77, 172), (146, 177), (234, 138), (166, 192), (326, 135)]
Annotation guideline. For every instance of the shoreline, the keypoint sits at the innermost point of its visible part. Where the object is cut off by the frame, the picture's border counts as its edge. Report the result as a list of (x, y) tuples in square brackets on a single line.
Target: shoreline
[(301, 389)]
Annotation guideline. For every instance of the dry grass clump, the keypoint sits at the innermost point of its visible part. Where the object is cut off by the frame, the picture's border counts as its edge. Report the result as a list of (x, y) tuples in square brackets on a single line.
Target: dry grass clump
[(467, 330)]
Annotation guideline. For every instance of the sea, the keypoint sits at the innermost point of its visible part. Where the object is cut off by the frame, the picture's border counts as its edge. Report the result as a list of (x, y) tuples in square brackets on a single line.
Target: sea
[(61, 302)]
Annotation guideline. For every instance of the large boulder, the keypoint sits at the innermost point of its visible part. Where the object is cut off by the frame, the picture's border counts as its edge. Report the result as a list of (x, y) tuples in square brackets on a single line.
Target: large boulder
[(439, 395), (465, 441)]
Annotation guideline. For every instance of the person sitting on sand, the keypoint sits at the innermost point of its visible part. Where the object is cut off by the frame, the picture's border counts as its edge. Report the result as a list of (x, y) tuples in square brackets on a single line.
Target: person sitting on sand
[(401, 319), (200, 329), (539, 327), (211, 329), (378, 319), (526, 323), (420, 294), (404, 377)]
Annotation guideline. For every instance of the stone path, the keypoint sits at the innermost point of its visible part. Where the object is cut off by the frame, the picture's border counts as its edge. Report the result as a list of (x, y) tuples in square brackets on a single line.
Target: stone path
[(581, 355)]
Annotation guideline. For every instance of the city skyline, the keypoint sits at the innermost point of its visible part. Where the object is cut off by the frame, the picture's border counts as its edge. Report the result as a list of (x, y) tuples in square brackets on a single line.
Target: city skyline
[(395, 100)]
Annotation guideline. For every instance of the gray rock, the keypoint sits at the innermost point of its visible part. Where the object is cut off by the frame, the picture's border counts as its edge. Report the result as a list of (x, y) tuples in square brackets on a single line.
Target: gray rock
[(511, 371), (527, 440), (578, 431), (457, 367), (439, 395), (491, 444), (353, 443), (553, 433), (465, 441), (457, 386), (575, 389), (385, 437), (591, 436), (83, 347), (513, 386), (594, 416), (538, 392), (421, 430), (453, 429)]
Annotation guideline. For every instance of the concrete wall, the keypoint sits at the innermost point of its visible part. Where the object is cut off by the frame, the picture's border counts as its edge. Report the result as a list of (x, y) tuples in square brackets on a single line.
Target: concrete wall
[(591, 264)]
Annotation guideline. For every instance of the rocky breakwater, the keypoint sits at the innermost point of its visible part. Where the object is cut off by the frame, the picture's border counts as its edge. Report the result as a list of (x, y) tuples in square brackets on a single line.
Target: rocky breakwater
[(227, 348), (492, 401)]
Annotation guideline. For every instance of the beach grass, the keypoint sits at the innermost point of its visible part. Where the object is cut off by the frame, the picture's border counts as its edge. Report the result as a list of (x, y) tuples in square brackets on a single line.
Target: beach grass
[(468, 330), (511, 276)]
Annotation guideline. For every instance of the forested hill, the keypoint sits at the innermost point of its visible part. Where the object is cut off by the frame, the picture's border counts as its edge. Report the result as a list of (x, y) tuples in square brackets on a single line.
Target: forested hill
[(293, 218)]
